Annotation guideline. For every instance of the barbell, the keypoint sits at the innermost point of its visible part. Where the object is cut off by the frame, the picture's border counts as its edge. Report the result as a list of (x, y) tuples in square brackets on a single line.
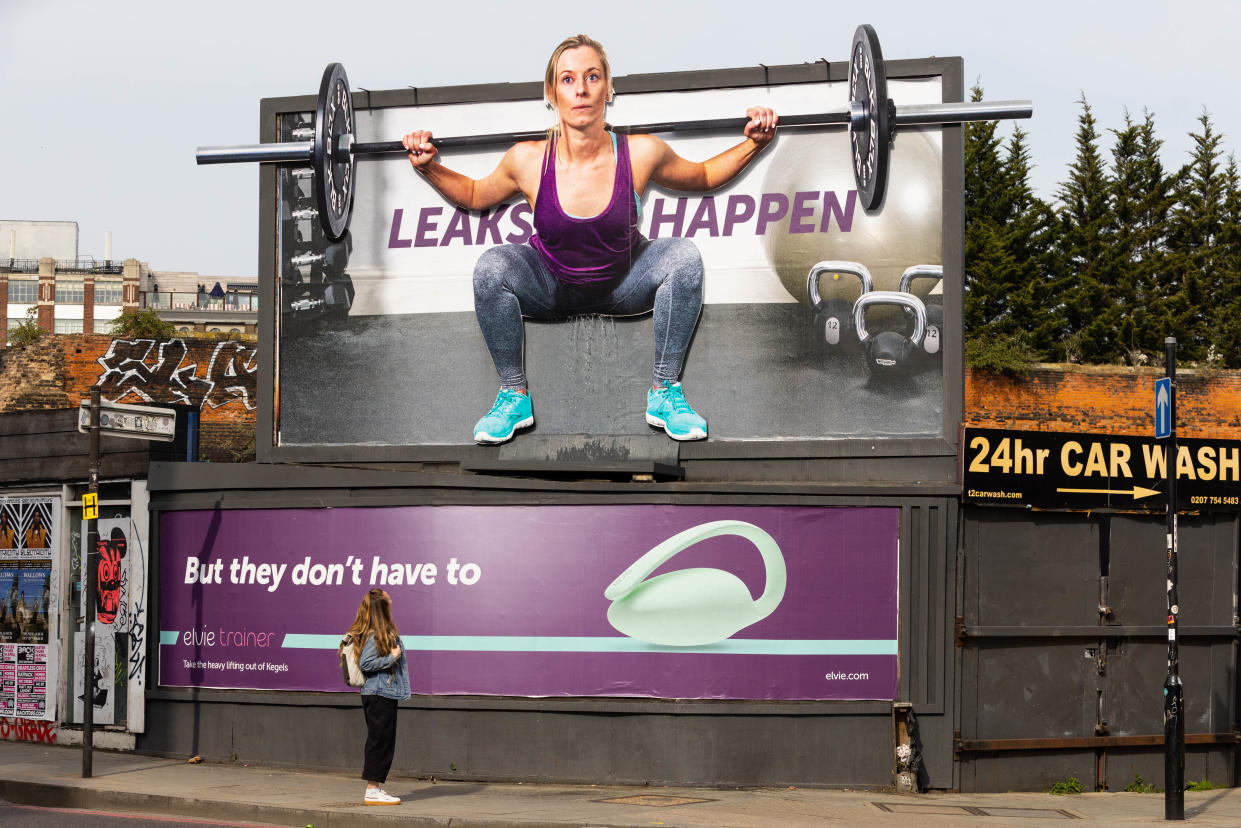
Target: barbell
[(871, 118)]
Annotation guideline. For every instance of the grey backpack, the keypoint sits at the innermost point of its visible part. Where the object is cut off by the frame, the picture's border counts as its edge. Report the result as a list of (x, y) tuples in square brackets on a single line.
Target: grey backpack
[(349, 668)]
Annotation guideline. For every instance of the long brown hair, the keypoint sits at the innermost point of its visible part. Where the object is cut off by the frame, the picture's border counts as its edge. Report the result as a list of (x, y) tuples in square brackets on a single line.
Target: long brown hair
[(379, 623), (357, 630)]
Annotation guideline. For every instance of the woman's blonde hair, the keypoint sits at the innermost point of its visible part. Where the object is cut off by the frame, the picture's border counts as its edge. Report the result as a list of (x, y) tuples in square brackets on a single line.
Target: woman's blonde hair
[(549, 76)]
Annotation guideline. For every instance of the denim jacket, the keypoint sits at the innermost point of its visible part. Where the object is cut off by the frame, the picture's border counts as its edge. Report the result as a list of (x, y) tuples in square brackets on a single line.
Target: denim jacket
[(381, 678)]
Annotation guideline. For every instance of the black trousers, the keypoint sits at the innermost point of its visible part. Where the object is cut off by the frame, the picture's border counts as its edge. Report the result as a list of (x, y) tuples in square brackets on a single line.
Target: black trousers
[(380, 737)]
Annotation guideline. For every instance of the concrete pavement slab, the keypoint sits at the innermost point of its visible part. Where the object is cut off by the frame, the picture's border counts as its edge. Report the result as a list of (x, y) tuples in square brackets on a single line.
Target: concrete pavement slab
[(36, 774)]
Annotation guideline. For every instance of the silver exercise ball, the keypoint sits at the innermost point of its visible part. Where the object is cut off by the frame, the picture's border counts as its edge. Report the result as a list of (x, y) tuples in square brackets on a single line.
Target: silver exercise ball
[(906, 230)]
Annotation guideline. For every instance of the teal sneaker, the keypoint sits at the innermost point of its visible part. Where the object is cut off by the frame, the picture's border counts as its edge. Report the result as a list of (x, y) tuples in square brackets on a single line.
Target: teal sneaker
[(512, 410), (666, 408)]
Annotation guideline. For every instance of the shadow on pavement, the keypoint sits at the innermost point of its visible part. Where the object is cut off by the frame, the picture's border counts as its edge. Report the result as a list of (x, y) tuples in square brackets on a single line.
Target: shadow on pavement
[(1201, 808)]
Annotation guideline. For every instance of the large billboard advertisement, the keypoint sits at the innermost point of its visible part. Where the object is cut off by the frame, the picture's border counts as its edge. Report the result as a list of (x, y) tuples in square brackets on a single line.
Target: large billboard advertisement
[(686, 602), (378, 341)]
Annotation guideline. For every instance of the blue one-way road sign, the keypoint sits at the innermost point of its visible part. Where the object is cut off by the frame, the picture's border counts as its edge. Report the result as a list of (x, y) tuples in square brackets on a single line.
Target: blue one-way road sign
[(1163, 408)]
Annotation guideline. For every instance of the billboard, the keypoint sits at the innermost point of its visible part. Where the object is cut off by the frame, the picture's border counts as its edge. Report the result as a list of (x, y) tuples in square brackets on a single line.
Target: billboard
[(698, 602), (377, 344), (1071, 470)]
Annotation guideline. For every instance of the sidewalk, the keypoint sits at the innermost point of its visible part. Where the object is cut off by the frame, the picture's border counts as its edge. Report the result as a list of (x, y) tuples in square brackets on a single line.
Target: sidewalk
[(35, 774)]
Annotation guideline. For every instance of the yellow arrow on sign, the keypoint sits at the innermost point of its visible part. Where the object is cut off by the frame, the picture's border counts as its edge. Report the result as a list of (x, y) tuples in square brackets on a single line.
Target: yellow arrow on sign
[(1137, 492)]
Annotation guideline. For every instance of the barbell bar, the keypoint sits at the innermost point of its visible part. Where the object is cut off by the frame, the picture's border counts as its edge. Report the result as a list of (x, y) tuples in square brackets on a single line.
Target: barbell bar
[(871, 118)]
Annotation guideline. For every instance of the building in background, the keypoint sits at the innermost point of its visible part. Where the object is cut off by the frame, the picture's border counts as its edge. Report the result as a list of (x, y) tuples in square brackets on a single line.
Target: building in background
[(207, 305), (71, 293)]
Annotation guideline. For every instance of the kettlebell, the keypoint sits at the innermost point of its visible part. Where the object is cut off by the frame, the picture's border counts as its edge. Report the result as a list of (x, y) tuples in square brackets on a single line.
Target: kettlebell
[(833, 318), (932, 341), (693, 607), (890, 353)]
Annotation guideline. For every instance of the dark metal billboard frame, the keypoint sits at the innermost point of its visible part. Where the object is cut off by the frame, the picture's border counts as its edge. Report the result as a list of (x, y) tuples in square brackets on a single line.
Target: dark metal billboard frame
[(929, 527), (937, 454)]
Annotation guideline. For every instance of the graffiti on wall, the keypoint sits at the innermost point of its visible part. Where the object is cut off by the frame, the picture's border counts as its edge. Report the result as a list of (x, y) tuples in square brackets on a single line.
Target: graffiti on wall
[(153, 371), (24, 730), (120, 623)]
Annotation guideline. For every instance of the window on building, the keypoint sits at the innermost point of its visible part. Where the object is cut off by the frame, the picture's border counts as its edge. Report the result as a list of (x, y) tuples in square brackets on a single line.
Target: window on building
[(69, 291), (23, 291), (107, 293), (68, 326)]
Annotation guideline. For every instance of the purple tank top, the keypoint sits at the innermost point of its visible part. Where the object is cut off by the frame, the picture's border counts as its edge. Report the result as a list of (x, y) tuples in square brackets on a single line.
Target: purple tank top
[(587, 251)]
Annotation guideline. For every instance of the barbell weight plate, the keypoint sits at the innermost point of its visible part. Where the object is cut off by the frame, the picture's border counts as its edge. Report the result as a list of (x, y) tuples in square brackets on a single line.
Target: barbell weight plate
[(871, 143), (334, 165)]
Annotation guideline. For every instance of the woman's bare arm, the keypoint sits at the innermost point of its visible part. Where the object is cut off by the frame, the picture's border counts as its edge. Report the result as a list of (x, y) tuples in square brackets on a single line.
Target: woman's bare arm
[(512, 176), (676, 173)]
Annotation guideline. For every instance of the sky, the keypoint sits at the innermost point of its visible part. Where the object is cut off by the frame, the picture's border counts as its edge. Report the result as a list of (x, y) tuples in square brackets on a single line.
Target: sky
[(104, 104)]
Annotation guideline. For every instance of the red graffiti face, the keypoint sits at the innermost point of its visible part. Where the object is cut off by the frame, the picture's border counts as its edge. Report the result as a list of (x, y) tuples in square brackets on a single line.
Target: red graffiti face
[(111, 553)]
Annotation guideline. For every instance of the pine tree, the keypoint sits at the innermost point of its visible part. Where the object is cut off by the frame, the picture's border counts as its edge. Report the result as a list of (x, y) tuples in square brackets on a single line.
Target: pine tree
[(1086, 257), (1006, 241), (1141, 201), (1227, 307), (1029, 235), (1196, 222), (988, 268)]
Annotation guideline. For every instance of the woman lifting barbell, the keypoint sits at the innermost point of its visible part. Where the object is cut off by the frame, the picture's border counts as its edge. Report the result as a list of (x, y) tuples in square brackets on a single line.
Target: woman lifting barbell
[(587, 255)]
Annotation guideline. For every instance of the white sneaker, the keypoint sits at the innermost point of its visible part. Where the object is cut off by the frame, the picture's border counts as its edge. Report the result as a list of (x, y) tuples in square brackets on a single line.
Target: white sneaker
[(378, 796)]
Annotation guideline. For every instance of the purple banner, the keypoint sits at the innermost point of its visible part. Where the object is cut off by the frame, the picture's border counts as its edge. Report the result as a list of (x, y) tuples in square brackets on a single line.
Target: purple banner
[(702, 602)]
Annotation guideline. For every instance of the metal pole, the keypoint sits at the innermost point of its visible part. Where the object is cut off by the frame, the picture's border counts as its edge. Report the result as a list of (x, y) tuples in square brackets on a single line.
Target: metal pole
[(959, 113), (1173, 692), (88, 599), (942, 113), (270, 153)]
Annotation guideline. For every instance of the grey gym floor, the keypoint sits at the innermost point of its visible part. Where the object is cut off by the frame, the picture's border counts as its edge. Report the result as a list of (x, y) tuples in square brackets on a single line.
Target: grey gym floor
[(755, 371)]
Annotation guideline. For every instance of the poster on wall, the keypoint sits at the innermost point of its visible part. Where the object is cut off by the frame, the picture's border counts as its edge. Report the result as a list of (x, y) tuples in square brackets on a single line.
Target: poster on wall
[(29, 540), (358, 371), (119, 616), (8, 679), (700, 602), (30, 680), (103, 699)]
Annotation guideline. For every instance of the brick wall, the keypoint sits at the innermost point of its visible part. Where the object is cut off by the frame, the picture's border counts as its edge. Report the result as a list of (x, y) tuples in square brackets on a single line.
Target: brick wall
[(217, 377), (33, 378), (1103, 399)]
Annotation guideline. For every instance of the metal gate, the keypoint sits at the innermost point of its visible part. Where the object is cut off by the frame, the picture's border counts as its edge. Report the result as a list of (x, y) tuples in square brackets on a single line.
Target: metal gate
[(1062, 648)]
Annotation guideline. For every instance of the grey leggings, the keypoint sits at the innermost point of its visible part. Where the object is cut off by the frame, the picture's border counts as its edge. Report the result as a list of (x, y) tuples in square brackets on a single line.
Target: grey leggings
[(511, 281)]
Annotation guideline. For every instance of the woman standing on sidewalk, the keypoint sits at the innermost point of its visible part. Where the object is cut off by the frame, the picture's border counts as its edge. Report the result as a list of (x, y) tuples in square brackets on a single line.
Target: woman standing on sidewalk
[(387, 683)]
